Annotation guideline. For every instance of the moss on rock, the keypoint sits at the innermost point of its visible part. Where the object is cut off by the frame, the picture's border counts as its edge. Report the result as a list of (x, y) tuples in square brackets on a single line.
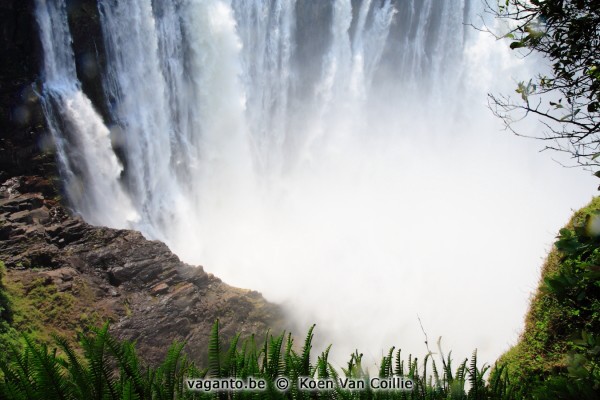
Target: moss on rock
[(566, 303)]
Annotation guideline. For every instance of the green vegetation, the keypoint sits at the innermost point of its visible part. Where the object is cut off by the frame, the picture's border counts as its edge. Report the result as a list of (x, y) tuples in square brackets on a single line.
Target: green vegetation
[(8, 335), (5, 309), (30, 303), (558, 356), (557, 344), (110, 369), (39, 304)]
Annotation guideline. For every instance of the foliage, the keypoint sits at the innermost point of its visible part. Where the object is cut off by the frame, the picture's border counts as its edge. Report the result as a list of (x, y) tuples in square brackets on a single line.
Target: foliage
[(567, 34), (558, 356), (109, 369), (582, 380), (33, 304), (6, 314), (555, 353)]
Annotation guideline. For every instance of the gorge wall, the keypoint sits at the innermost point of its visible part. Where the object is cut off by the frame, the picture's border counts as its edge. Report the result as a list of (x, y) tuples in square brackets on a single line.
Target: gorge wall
[(22, 123)]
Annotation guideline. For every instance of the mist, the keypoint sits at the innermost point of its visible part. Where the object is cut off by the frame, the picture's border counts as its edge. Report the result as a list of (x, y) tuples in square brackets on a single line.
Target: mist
[(338, 157)]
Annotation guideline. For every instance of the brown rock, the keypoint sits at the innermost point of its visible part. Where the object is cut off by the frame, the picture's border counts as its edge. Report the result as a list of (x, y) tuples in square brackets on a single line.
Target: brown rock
[(161, 288), (151, 296), (64, 274)]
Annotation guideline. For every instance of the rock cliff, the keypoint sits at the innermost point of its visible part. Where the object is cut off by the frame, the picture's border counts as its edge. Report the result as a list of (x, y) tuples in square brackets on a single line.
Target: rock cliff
[(22, 126), (145, 290)]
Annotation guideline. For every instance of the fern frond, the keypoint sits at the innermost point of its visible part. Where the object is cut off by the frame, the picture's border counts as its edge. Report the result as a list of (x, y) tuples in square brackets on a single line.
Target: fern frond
[(385, 370), (18, 376), (323, 364), (436, 374), (305, 367), (448, 367), (214, 352), (167, 373), (49, 375), (473, 373), (399, 363), (229, 363), (79, 375), (12, 386), (128, 362), (274, 355), (128, 392), (95, 352), (461, 371)]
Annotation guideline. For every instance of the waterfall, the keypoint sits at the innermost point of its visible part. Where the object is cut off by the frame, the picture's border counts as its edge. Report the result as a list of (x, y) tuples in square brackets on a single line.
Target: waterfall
[(267, 34), (336, 155), (88, 165)]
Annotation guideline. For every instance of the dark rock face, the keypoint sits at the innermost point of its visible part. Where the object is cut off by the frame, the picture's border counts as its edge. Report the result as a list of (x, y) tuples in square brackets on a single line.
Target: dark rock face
[(25, 143), (152, 296), (88, 48), (22, 124)]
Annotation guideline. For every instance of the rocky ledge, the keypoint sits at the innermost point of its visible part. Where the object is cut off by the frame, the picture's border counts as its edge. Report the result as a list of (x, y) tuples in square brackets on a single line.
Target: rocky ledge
[(145, 290)]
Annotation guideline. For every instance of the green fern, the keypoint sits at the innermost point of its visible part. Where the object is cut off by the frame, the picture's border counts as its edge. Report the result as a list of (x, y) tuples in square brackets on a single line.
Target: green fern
[(230, 362), (167, 377), (305, 367), (101, 374), (128, 393), (214, 352), (79, 374), (110, 369), (275, 367), (47, 372)]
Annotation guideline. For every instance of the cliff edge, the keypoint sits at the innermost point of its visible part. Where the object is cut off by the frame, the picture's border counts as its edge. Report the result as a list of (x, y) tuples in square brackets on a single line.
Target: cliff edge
[(64, 275)]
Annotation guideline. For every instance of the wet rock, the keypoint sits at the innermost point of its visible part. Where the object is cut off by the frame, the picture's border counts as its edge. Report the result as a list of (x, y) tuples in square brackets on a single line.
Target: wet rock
[(37, 216), (21, 202), (152, 296)]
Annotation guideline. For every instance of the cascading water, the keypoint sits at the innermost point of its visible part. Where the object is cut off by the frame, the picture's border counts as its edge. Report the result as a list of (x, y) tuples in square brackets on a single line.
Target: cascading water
[(87, 162), (335, 155)]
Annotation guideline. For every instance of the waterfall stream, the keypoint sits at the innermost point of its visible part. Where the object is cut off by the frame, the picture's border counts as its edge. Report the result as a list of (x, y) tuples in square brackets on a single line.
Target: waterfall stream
[(335, 155), (88, 165)]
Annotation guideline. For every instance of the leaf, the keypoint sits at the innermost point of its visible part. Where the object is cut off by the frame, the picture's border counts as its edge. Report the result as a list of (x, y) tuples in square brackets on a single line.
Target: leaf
[(214, 352), (517, 45), (556, 105)]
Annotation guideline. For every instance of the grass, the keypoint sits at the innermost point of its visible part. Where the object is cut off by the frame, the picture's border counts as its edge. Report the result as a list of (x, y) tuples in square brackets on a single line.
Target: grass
[(35, 306)]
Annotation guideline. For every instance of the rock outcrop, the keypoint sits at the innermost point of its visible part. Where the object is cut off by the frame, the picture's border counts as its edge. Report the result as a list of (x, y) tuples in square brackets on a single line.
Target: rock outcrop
[(23, 133), (148, 293)]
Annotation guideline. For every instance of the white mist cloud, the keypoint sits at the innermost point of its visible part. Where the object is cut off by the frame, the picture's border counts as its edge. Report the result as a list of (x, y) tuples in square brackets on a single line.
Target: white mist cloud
[(372, 206), (399, 211)]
